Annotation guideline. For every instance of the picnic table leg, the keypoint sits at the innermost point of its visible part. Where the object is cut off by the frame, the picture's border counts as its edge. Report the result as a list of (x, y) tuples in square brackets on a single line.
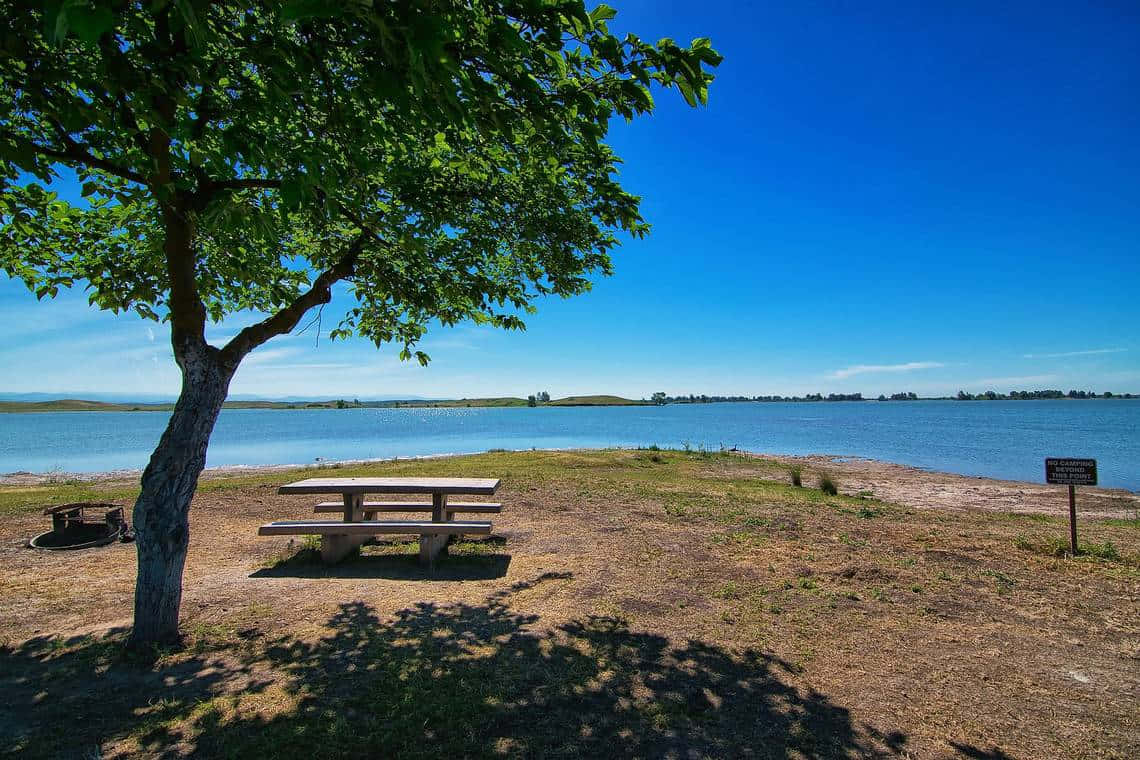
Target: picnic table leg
[(432, 545), (334, 548), (353, 507)]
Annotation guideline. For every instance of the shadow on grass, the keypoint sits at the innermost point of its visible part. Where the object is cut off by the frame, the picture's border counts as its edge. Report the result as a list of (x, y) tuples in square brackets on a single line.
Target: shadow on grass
[(458, 680), (399, 560), (974, 753)]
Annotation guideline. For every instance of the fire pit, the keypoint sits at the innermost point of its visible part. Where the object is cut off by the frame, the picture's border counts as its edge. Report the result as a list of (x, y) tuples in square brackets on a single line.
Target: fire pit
[(82, 526)]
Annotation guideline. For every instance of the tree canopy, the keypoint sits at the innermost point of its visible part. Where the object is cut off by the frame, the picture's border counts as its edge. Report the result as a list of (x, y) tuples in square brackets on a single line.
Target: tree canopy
[(445, 157)]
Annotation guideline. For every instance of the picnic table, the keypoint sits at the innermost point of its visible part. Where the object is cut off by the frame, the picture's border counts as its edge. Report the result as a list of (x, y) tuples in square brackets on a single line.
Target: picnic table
[(358, 523)]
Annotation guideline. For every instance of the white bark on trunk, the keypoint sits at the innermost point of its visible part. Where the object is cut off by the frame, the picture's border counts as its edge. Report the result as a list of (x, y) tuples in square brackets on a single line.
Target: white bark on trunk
[(162, 511)]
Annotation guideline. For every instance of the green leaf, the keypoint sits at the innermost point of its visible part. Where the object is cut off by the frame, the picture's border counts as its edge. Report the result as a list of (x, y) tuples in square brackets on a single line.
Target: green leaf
[(687, 92), (602, 13), (292, 193), (89, 23), (55, 21), (295, 10)]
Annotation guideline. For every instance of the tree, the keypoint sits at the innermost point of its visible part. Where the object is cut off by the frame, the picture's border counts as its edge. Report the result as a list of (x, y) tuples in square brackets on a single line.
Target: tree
[(543, 397), (659, 398), (531, 401), (444, 161)]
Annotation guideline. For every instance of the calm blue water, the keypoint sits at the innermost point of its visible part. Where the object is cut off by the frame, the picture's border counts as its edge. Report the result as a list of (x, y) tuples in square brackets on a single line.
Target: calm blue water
[(995, 439)]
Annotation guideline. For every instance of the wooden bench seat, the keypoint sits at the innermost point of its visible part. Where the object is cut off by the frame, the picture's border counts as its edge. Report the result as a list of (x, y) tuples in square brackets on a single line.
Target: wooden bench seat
[(339, 538), (372, 507), (371, 527)]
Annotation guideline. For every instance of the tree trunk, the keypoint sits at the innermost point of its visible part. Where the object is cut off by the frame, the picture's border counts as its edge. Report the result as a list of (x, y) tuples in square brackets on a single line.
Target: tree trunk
[(162, 512)]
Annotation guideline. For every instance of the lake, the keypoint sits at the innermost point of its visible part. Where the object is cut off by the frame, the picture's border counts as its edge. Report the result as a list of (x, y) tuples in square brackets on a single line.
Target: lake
[(994, 438)]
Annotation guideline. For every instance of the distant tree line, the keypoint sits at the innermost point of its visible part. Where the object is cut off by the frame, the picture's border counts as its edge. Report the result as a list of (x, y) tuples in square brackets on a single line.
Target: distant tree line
[(1034, 395), (662, 398)]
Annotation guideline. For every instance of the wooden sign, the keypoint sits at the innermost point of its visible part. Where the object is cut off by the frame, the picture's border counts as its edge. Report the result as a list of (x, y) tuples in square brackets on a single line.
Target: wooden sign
[(1071, 472)]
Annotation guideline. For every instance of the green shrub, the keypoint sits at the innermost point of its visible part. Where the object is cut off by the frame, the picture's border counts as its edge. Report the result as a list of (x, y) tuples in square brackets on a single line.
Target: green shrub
[(1107, 550), (1055, 546), (797, 473), (827, 485)]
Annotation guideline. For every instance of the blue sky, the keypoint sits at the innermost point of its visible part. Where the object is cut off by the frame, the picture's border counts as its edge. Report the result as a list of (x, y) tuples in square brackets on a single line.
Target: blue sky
[(879, 197)]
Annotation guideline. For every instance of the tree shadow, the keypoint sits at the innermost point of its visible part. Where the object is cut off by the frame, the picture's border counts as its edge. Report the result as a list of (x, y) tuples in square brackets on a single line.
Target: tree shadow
[(64, 697), (459, 679), (483, 564), (970, 751)]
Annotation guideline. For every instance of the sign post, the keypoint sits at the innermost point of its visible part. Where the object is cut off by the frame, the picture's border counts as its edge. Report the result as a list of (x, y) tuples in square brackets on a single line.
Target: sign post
[(1072, 473), (1073, 520)]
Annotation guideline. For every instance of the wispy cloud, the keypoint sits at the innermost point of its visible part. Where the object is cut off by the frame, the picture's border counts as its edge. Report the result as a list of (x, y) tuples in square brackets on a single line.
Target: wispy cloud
[(1087, 352), (270, 356), (866, 369)]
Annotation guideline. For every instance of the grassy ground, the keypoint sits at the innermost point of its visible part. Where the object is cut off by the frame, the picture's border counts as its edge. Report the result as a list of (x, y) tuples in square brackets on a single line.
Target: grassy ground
[(645, 604)]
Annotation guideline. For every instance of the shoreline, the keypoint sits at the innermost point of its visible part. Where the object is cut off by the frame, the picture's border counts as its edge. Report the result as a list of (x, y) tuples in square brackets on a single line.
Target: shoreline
[(903, 484)]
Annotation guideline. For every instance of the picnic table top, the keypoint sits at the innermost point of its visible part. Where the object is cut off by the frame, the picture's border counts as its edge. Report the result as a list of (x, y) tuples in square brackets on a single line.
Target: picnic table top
[(485, 486)]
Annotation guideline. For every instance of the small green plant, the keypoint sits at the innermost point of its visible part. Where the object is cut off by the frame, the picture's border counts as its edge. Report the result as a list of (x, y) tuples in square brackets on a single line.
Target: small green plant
[(827, 485), (1004, 582), (1055, 546), (1107, 550), (797, 474), (728, 591)]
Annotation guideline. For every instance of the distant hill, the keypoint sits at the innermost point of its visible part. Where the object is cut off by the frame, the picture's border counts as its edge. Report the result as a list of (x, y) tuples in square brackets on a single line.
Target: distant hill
[(602, 400), (84, 405), (77, 405), (473, 402)]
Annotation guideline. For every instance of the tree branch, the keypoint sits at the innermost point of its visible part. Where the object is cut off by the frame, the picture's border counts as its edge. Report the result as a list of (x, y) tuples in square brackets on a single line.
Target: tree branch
[(208, 188), (75, 152), (287, 318)]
